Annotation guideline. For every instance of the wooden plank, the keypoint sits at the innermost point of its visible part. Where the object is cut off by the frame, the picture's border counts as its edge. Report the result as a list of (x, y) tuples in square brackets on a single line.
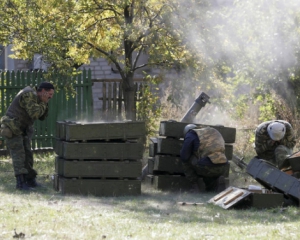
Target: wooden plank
[(175, 129), (222, 194), (169, 182), (99, 150), (190, 204), (104, 98), (120, 96), (168, 164), (98, 169), (172, 146), (152, 147), (114, 100), (79, 96), (233, 197), (98, 187), (109, 96), (77, 131)]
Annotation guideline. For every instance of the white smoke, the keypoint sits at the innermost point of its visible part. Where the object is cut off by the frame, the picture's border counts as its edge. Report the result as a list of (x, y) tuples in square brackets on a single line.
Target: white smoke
[(264, 31), (258, 37)]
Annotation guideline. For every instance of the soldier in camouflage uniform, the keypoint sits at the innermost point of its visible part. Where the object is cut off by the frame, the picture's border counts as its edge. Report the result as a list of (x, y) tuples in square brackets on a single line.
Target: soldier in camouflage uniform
[(274, 141), (203, 156), (29, 105)]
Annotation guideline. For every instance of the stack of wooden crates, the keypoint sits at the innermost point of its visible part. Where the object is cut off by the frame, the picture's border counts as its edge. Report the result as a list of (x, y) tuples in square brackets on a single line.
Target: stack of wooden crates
[(165, 170), (99, 159)]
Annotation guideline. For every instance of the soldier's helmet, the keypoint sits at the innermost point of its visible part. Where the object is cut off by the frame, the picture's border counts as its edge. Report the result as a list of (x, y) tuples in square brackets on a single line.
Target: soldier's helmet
[(276, 131), (188, 128)]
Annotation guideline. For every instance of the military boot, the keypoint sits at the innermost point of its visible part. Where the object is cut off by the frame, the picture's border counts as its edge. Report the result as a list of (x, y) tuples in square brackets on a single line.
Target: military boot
[(21, 183), (33, 183)]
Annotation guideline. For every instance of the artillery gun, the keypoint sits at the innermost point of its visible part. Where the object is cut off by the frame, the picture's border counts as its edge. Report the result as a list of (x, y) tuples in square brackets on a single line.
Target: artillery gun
[(188, 117)]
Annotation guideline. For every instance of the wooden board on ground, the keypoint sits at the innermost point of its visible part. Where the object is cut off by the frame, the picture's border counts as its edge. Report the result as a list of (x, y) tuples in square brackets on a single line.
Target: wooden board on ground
[(175, 129), (98, 169), (233, 197), (83, 131), (97, 187), (190, 204), (172, 146), (99, 150)]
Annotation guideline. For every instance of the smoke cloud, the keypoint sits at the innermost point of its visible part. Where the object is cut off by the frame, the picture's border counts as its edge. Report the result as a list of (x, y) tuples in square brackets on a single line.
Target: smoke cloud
[(260, 38)]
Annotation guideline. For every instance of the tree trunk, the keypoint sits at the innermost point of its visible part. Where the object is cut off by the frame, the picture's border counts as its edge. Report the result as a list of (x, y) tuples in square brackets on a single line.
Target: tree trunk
[(128, 86), (129, 99)]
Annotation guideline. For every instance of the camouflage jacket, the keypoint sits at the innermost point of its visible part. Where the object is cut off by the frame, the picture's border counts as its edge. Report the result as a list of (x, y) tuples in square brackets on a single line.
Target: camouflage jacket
[(212, 145), (25, 108), (264, 143)]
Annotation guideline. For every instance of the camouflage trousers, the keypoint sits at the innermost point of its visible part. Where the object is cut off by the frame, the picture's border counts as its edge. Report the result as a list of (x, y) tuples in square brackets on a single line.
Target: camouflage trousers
[(19, 147), (210, 174), (276, 156)]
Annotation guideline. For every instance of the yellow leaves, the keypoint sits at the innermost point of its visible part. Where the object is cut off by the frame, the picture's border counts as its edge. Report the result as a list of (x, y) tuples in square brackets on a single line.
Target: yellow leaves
[(70, 22)]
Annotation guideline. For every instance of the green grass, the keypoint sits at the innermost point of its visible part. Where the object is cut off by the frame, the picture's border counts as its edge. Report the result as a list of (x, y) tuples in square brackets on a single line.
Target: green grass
[(46, 214)]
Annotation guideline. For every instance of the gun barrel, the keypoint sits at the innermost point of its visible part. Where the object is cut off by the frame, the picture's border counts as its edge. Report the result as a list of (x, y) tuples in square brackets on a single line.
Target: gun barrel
[(239, 162), (195, 108)]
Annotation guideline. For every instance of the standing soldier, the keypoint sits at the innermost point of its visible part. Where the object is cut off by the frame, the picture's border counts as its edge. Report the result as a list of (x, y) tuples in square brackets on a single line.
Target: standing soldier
[(203, 156), (28, 105), (274, 141)]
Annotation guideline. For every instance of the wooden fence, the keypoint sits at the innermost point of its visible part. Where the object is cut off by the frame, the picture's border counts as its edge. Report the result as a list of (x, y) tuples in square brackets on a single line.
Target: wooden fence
[(62, 106), (112, 98)]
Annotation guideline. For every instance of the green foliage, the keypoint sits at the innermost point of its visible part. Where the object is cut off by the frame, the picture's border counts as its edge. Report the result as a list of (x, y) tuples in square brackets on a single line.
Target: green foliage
[(69, 33), (148, 108), (234, 51), (267, 107)]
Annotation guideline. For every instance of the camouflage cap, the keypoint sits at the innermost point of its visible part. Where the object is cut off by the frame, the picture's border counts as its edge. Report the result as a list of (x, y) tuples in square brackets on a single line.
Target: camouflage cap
[(46, 85)]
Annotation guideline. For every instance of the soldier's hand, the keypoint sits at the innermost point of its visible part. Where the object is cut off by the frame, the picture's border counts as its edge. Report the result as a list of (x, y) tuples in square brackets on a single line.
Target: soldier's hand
[(45, 97), (270, 142)]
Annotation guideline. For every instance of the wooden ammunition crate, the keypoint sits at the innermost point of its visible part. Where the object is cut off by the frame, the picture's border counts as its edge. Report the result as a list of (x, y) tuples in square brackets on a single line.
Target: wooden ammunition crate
[(80, 131), (175, 129), (99, 150), (233, 197), (272, 178), (169, 182), (172, 146), (175, 183), (167, 164), (97, 187), (98, 169)]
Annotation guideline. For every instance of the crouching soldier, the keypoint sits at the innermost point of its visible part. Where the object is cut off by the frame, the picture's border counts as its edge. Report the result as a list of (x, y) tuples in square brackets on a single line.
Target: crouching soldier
[(203, 156), (28, 105), (274, 141)]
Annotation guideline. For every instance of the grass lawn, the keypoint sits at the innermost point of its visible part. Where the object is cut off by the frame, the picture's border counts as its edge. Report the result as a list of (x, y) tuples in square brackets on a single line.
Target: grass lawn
[(46, 214)]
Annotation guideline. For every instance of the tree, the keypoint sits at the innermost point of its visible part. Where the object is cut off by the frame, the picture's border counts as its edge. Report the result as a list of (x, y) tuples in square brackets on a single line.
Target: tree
[(68, 32), (239, 52)]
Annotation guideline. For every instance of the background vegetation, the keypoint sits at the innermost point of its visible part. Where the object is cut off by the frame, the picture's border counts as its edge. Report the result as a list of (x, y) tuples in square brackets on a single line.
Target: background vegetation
[(244, 54)]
